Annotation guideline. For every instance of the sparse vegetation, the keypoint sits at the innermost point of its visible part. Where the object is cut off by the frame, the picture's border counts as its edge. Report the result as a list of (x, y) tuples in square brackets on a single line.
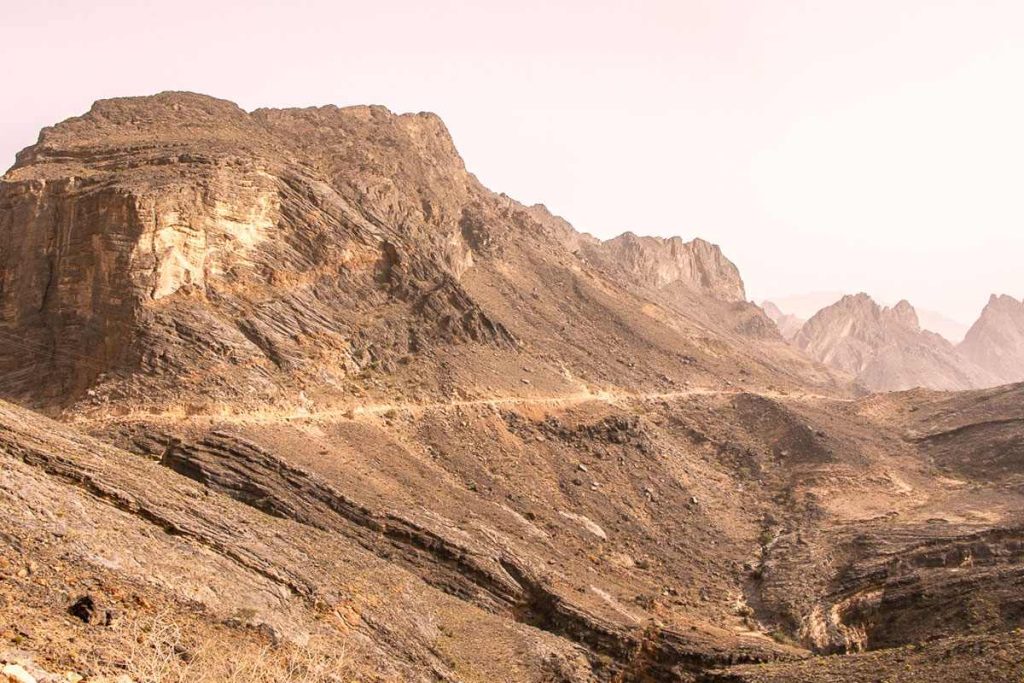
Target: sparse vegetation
[(162, 651)]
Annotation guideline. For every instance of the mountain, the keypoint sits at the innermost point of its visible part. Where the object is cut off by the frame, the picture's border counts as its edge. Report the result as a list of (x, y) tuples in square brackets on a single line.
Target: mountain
[(996, 340), (320, 406), (885, 348), (803, 306), (658, 262), (787, 323)]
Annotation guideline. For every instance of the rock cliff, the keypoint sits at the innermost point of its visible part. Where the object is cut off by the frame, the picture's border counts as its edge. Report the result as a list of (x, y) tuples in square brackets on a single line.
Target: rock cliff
[(659, 262), (176, 248), (149, 233)]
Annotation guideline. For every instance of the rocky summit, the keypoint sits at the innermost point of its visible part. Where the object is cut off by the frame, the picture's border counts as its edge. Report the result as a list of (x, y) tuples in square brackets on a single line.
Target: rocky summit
[(877, 345), (289, 395)]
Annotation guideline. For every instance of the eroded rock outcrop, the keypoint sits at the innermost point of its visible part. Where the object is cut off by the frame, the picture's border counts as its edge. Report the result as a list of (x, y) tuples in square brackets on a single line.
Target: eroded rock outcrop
[(148, 233), (177, 251), (658, 262)]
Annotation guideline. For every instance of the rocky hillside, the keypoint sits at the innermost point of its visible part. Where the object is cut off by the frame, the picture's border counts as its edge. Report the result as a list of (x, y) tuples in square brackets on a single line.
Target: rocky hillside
[(996, 341), (885, 348), (180, 251), (329, 409)]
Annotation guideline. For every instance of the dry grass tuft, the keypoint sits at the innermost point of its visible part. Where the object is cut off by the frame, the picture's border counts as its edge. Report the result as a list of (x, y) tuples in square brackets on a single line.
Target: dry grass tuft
[(162, 652)]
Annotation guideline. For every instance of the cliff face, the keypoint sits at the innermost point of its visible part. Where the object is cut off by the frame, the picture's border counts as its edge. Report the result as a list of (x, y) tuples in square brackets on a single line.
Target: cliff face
[(996, 341), (658, 262), (885, 348), (152, 231)]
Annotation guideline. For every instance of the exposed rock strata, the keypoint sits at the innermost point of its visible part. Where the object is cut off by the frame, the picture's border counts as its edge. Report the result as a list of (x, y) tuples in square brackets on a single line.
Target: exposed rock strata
[(251, 256), (343, 399)]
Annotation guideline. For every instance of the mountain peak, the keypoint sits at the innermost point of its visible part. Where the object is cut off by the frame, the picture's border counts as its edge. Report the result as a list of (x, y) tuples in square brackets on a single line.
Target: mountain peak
[(996, 340), (904, 314), (659, 262), (247, 255), (885, 348)]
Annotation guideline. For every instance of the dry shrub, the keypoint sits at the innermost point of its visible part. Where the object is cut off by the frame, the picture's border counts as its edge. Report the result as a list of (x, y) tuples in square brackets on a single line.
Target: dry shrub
[(160, 651)]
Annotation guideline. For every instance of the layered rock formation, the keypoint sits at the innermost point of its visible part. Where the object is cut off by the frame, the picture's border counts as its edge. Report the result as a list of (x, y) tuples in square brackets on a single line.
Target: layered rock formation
[(149, 234), (885, 348), (330, 408), (996, 341), (658, 262), (266, 253)]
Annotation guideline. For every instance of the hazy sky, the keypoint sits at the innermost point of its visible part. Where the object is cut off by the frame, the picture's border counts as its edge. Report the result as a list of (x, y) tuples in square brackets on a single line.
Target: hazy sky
[(872, 145)]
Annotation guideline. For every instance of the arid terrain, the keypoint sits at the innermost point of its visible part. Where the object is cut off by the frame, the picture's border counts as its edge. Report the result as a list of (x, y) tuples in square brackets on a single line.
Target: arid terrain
[(886, 348), (289, 395)]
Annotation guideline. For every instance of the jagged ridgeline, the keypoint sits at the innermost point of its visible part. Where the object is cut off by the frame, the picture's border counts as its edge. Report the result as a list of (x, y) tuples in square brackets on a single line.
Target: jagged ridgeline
[(329, 409), (886, 349)]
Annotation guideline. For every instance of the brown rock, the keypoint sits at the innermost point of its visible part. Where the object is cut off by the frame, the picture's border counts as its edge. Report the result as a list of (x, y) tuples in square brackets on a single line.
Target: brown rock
[(658, 262)]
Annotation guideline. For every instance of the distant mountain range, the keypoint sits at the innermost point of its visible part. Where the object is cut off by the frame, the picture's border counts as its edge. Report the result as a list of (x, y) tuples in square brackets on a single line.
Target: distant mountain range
[(803, 306), (891, 348)]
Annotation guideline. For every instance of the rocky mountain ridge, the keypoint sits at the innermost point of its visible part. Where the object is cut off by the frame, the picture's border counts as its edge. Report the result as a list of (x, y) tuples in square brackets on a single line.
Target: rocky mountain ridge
[(659, 262), (328, 408), (996, 340), (886, 348), (150, 234)]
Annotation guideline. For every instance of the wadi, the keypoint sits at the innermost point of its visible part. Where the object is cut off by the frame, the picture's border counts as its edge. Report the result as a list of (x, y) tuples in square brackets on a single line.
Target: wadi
[(289, 395)]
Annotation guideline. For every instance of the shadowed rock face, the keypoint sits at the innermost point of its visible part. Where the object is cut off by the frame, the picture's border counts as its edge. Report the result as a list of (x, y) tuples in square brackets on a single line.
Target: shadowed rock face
[(996, 341), (885, 348)]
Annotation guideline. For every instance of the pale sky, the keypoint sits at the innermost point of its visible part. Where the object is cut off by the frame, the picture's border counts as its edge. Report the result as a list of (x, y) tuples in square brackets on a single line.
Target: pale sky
[(873, 145)]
